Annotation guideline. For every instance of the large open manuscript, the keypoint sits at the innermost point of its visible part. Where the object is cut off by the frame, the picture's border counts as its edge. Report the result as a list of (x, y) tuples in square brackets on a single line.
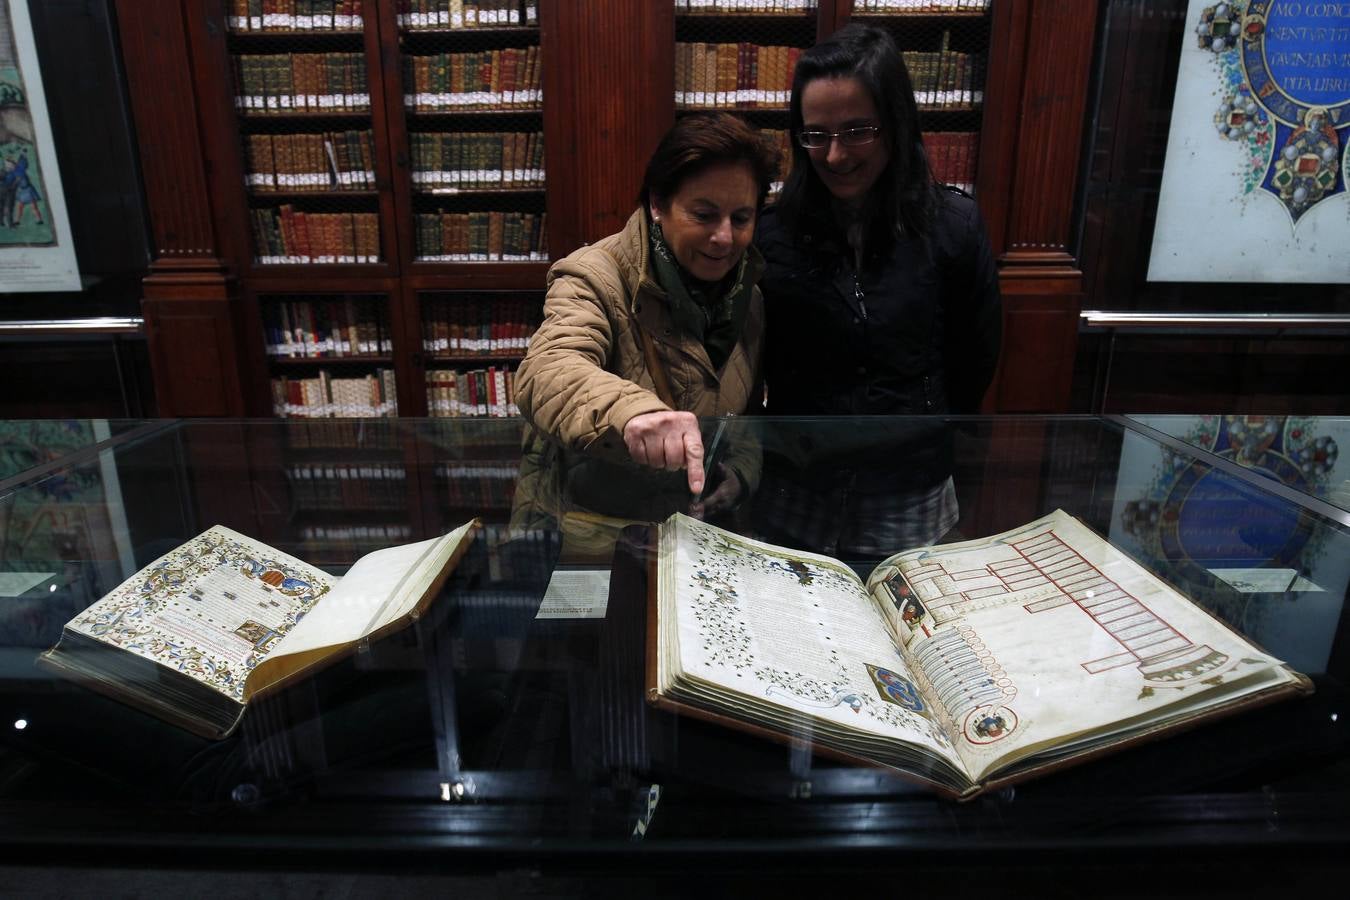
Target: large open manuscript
[(963, 665)]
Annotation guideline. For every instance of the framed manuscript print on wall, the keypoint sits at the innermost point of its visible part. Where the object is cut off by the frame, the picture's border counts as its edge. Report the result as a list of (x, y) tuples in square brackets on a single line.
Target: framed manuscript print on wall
[(1256, 153), (37, 252)]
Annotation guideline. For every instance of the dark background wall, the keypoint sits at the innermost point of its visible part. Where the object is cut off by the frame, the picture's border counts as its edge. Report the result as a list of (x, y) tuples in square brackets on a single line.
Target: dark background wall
[(72, 373)]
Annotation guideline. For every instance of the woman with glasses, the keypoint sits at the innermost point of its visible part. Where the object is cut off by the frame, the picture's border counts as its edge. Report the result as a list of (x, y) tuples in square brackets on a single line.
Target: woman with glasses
[(648, 329), (882, 299)]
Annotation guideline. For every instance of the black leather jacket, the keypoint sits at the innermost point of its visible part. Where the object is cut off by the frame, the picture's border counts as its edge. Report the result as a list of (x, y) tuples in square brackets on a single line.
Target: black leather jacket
[(917, 330)]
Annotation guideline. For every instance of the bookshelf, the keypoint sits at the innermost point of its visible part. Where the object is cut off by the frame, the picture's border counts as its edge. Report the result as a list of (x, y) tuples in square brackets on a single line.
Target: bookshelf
[(946, 49), (740, 57), (473, 205), (428, 169)]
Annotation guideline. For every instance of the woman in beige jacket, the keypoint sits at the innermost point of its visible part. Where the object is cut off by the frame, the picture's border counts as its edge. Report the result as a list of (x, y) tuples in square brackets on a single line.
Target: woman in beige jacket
[(645, 331)]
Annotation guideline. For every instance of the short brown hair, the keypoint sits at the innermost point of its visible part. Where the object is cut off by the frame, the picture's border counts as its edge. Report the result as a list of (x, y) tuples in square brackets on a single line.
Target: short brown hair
[(700, 140)]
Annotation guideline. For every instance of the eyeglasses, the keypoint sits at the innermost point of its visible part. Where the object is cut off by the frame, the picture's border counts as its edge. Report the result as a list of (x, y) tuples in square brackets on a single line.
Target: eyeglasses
[(849, 137)]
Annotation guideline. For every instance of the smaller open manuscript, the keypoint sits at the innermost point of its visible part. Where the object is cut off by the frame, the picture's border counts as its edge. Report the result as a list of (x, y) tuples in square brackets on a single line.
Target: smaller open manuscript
[(965, 666), (222, 619)]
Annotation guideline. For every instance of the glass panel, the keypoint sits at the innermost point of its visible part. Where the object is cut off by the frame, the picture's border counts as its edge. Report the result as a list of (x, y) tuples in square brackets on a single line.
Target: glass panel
[(1301, 452), (484, 726), (35, 443)]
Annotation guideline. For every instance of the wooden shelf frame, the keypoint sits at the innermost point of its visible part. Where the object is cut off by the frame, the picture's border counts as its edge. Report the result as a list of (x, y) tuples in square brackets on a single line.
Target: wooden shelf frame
[(200, 294)]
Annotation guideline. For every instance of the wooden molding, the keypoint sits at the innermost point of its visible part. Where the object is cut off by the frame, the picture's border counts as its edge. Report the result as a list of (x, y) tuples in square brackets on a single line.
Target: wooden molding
[(160, 79), (609, 96), (1059, 40), (1035, 104), (194, 346)]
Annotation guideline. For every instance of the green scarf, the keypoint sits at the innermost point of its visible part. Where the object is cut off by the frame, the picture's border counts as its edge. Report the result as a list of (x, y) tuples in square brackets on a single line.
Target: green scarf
[(712, 312)]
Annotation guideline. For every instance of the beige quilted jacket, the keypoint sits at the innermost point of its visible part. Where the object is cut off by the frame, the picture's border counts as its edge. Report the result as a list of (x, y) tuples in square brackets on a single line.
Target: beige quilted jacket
[(585, 376)]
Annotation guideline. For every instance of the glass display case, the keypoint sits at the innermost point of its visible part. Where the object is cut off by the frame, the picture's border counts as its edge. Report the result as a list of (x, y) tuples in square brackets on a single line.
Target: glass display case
[(494, 733)]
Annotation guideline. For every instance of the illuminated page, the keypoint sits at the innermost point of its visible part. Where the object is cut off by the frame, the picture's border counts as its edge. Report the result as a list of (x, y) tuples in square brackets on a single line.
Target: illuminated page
[(787, 635), (1046, 634), (211, 609)]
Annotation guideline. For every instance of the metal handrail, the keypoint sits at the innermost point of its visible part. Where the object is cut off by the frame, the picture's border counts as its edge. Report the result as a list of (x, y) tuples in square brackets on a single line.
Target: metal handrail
[(1099, 318), (99, 325)]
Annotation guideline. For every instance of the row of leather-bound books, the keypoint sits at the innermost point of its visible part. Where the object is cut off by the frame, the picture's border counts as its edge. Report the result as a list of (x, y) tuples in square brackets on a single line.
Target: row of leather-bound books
[(324, 396), (750, 76), (448, 162), (316, 83), (347, 485), (344, 161), (286, 235), (953, 157), (438, 14), (348, 541), (864, 7), (733, 76), (320, 327), (328, 161), (481, 237), (489, 392), (756, 7), (946, 79), (340, 434), (478, 325), (893, 7), (295, 15), (504, 78), (481, 483)]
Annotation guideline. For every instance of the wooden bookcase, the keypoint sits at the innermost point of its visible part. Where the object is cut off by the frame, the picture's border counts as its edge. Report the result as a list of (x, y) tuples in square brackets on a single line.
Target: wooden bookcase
[(607, 73)]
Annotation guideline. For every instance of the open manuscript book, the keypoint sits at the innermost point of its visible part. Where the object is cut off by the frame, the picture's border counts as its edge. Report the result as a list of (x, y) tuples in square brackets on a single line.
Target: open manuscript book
[(966, 666), (222, 619)]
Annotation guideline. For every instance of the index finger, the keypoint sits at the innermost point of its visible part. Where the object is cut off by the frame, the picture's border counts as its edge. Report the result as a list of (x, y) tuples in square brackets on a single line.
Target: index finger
[(693, 460)]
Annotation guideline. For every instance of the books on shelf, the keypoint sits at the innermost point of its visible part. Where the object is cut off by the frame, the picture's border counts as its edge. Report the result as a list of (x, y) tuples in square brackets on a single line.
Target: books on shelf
[(453, 162), (372, 395), (285, 235), (326, 326), (893, 7), (223, 619), (964, 666), (339, 434), (481, 237), (454, 14), (733, 76), (294, 15), (331, 161), (318, 83), (479, 483), (483, 393), (346, 539), (946, 79), (954, 157), (756, 7), (478, 325), (344, 485), (505, 78)]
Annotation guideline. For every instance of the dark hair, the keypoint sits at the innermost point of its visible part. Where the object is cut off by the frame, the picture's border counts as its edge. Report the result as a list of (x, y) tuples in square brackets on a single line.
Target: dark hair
[(698, 141), (904, 199)]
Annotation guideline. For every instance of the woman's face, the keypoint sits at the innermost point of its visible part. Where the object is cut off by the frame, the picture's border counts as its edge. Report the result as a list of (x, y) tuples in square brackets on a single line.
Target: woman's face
[(709, 220), (839, 104)]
